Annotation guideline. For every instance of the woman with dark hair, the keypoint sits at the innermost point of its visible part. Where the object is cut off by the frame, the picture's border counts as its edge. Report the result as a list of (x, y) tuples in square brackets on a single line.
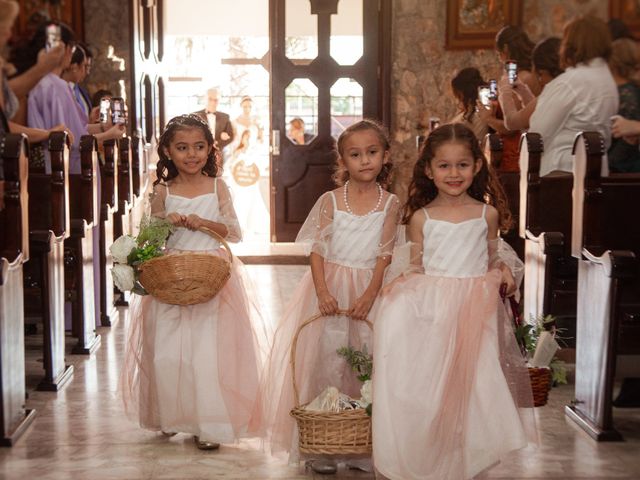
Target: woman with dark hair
[(546, 67), (465, 89), (584, 97), (512, 43)]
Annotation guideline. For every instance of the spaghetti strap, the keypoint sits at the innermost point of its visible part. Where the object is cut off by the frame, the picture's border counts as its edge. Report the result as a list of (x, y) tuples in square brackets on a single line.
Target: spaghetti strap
[(388, 202), (215, 185), (484, 211), (424, 209)]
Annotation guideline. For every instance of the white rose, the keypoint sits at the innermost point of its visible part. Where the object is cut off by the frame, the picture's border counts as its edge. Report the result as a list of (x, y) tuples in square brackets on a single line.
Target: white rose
[(122, 247), (365, 391), (123, 276)]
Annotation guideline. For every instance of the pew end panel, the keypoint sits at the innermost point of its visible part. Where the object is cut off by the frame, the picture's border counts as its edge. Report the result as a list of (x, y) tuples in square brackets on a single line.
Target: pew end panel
[(108, 209), (14, 251), (606, 242)]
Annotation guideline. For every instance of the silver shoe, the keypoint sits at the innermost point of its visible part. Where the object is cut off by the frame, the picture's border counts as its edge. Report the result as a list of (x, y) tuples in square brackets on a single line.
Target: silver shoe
[(324, 466), (204, 445)]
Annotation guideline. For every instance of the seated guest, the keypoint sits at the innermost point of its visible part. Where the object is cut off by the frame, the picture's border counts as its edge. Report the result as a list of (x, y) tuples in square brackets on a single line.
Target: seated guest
[(584, 97), (546, 66), (51, 102), (465, 89), (625, 156)]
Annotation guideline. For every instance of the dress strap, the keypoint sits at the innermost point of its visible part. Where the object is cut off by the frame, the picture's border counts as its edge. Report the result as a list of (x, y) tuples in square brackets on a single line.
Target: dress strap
[(215, 185), (333, 199), (388, 202), (484, 211), (424, 209)]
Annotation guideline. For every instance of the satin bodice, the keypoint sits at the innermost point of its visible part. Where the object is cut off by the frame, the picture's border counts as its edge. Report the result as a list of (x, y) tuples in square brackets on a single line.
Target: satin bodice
[(205, 206), (355, 239), (455, 249)]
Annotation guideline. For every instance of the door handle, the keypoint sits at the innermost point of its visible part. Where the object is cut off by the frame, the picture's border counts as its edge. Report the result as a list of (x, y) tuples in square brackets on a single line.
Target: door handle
[(275, 142)]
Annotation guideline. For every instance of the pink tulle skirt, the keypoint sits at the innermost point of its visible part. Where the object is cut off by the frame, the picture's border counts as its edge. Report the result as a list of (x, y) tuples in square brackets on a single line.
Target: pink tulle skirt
[(451, 393), (195, 369), (317, 363)]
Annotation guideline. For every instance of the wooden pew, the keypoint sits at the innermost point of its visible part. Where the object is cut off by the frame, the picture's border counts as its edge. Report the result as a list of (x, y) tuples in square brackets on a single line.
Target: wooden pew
[(545, 226), (123, 219), (44, 273), (511, 184), (606, 242), (108, 209), (14, 251), (83, 192)]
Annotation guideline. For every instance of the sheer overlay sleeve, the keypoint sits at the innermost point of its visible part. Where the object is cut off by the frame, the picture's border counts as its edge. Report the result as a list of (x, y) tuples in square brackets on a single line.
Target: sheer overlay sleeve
[(228, 215), (157, 201), (501, 253), (407, 254), (316, 231), (393, 215)]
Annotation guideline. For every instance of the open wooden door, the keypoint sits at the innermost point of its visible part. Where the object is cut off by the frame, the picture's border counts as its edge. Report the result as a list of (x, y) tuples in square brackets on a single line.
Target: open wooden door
[(146, 102), (328, 69)]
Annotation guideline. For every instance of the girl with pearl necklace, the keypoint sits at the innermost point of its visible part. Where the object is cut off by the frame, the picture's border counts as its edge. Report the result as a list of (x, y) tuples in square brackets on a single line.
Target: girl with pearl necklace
[(350, 234)]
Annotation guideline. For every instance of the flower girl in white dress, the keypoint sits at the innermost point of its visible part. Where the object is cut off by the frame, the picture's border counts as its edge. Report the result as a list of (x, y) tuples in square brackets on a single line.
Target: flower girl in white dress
[(195, 369), (449, 384), (351, 233)]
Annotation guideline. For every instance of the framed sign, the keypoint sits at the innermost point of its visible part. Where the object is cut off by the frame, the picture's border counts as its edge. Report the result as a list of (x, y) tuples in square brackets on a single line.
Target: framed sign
[(473, 24)]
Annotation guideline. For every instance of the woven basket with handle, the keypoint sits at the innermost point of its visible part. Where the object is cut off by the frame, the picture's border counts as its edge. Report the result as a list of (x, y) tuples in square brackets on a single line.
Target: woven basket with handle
[(187, 278), (329, 433)]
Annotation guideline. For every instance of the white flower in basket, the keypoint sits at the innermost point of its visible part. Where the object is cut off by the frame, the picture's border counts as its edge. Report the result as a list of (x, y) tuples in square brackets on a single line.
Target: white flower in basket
[(123, 276), (366, 393), (122, 248)]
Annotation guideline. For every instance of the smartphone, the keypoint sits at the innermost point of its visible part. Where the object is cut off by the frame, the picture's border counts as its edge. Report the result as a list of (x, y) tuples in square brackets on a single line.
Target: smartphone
[(53, 36), (512, 70), (105, 106), (118, 113), (493, 89), (434, 122), (483, 95)]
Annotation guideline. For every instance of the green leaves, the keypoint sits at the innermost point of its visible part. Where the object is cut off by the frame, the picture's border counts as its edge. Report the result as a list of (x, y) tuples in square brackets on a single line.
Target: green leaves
[(361, 362)]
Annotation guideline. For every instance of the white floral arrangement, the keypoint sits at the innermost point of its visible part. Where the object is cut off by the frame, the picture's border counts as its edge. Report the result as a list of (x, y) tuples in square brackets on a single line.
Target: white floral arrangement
[(129, 252)]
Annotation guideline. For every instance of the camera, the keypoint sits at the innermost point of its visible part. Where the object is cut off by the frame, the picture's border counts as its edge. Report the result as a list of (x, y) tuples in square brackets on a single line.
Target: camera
[(53, 36), (105, 106), (512, 70), (434, 122), (493, 89), (118, 112), (483, 95)]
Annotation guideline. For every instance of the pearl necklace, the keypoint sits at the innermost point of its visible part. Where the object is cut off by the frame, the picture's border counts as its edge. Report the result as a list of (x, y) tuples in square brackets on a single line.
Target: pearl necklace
[(348, 207)]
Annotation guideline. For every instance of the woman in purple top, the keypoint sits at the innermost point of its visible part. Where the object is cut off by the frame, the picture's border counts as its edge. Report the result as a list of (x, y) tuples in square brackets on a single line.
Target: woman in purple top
[(51, 102)]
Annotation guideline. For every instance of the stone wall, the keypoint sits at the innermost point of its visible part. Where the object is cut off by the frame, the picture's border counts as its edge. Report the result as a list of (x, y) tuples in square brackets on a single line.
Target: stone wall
[(107, 31), (422, 68)]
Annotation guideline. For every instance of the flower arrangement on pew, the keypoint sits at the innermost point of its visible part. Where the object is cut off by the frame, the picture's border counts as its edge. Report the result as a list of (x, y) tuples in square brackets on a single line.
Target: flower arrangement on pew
[(130, 252), (538, 341)]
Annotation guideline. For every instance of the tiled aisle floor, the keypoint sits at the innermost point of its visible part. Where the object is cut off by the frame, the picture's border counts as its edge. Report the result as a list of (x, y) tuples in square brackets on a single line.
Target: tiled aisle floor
[(82, 433)]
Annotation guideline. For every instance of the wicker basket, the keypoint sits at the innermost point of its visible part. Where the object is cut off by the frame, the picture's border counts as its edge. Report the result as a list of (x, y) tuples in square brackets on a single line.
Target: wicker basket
[(186, 278), (540, 385), (329, 433)]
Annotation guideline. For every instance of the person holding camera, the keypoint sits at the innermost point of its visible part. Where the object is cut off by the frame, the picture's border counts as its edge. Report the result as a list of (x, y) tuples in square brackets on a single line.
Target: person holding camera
[(516, 99), (584, 97), (464, 86), (51, 102)]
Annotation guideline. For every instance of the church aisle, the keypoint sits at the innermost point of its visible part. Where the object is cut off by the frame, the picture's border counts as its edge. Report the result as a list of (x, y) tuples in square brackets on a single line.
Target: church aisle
[(82, 433)]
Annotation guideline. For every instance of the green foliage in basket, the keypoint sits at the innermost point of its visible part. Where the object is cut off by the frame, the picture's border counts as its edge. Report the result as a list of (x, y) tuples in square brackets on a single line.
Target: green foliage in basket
[(129, 252), (361, 362)]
